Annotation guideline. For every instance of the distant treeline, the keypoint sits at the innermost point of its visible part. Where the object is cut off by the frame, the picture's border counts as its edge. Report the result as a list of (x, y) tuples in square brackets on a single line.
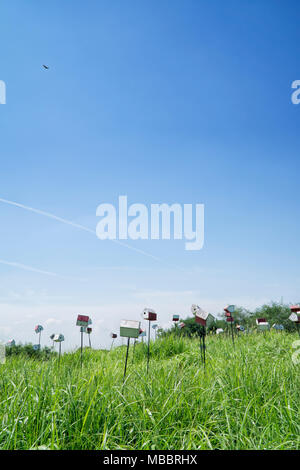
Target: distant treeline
[(274, 313), (28, 350)]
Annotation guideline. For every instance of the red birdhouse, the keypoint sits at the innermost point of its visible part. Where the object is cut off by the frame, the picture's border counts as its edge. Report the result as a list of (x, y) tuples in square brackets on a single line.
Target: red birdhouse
[(295, 308), (82, 320), (149, 314)]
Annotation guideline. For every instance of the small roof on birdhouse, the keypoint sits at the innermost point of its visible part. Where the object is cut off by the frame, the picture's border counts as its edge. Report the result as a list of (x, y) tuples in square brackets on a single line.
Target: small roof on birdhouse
[(295, 308), (260, 320)]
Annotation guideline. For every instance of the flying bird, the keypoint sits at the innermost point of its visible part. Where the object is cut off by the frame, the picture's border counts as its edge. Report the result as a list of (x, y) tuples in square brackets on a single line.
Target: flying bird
[(45, 67)]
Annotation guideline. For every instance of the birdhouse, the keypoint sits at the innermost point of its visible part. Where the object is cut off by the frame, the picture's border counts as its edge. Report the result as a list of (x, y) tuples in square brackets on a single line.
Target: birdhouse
[(294, 317), (149, 314), (82, 320), (113, 335), (181, 325), (203, 318), (155, 326), (175, 318), (36, 347), (143, 333), (90, 321), (130, 328), (295, 308), (229, 319), (230, 309), (38, 328), (11, 343), (89, 330), (59, 338), (262, 324), (278, 327), (240, 328), (194, 309), (52, 336)]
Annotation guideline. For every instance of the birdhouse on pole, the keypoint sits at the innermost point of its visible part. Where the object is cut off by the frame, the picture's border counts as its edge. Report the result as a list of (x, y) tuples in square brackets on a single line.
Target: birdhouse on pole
[(149, 314), (38, 329), (203, 318), (295, 315), (59, 338), (82, 320), (262, 324), (129, 329)]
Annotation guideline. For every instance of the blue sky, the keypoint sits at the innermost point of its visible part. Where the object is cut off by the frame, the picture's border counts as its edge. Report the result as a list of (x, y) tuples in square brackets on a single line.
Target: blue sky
[(162, 101)]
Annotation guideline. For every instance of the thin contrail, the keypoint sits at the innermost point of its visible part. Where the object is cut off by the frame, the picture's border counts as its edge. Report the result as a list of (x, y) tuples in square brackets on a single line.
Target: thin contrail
[(35, 270), (73, 224)]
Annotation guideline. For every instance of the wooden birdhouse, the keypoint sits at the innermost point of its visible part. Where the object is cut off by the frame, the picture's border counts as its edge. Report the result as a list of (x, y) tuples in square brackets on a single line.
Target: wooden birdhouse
[(130, 329), (82, 320)]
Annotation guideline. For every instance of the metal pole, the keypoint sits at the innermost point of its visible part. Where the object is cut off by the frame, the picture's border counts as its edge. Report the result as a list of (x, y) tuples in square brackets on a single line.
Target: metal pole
[(201, 345), (148, 348), (126, 359), (133, 350), (203, 339), (59, 352), (40, 340), (81, 347), (90, 340), (112, 344), (232, 335)]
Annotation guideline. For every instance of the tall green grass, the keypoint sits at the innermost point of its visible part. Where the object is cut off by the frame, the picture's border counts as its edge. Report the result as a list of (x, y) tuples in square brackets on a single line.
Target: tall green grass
[(247, 397)]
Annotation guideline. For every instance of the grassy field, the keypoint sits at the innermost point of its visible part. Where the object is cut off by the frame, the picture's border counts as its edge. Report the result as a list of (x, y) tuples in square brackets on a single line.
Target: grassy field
[(247, 397)]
